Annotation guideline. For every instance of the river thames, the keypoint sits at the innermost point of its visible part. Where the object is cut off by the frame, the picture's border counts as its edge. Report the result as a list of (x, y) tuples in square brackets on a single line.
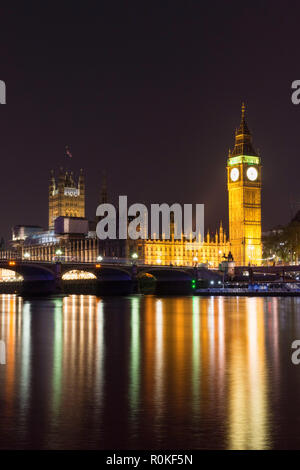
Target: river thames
[(144, 372)]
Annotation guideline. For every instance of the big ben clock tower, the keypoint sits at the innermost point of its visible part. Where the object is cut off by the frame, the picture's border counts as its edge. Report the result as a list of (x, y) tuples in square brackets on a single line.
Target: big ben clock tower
[(244, 191)]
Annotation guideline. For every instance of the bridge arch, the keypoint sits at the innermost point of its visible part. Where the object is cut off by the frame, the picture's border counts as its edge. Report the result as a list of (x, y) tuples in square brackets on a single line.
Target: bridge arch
[(165, 280), (7, 275), (167, 274), (30, 271), (101, 272), (78, 274)]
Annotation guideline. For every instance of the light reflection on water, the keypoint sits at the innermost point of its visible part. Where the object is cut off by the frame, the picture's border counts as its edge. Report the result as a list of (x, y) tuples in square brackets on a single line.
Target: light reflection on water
[(147, 372)]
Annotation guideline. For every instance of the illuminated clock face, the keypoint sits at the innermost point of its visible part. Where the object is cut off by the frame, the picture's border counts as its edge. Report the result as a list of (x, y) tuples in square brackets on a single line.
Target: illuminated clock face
[(252, 173), (234, 174)]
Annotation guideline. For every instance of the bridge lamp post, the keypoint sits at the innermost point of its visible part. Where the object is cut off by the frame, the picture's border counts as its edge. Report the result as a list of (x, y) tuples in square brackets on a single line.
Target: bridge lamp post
[(26, 255), (134, 256), (58, 252), (195, 259), (99, 258)]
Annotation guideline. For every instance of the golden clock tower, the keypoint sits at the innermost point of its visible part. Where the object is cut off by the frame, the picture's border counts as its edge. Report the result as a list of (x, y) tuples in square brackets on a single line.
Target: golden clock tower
[(244, 191)]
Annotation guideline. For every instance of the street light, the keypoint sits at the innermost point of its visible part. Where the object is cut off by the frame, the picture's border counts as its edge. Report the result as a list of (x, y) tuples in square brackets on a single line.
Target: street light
[(58, 252), (99, 258), (26, 255), (134, 255)]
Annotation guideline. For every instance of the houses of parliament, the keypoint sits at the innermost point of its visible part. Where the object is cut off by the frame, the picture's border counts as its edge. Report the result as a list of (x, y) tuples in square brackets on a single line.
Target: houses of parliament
[(72, 236)]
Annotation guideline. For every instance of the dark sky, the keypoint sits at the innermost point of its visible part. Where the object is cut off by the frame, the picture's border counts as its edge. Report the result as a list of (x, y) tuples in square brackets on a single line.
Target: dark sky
[(151, 92)]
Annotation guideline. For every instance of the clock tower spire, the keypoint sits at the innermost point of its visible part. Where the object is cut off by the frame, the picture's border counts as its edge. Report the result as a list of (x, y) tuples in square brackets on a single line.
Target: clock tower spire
[(244, 194)]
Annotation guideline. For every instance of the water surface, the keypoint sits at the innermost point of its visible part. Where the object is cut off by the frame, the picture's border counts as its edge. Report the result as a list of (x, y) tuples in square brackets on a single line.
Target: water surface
[(147, 372)]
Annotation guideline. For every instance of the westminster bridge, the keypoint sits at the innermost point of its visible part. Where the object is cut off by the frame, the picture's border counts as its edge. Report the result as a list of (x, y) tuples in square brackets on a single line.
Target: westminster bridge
[(120, 277), (125, 276)]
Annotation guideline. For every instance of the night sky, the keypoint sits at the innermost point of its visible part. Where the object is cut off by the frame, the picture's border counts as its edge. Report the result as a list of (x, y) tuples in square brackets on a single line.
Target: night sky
[(150, 92)]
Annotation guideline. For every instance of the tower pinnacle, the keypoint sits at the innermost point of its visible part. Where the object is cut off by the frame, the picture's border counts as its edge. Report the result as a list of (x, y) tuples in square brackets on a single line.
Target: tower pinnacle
[(243, 109), (103, 193), (243, 139)]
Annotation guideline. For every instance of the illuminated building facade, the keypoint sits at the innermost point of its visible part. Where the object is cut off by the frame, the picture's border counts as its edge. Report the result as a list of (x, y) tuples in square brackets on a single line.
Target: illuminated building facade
[(244, 190), (181, 252), (70, 237), (66, 197)]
